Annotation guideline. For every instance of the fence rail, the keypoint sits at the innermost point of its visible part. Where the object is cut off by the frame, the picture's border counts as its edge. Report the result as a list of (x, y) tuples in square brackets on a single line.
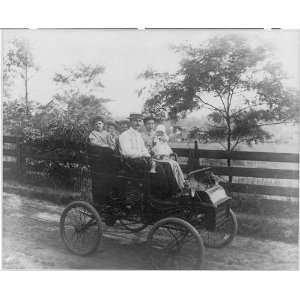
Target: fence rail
[(263, 189), (257, 172), (23, 151), (240, 155), (11, 139)]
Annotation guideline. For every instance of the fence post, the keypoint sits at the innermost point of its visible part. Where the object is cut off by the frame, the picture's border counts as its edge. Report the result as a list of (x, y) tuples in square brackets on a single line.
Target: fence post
[(196, 146), (195, 157), (19, 162)]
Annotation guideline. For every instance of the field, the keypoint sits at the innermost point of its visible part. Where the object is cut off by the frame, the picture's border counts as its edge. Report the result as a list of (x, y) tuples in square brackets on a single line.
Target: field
[(265, 147)]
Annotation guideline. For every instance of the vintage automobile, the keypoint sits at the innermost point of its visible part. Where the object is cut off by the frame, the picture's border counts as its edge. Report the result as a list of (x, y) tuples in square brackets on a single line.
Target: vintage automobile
[(178, 227)]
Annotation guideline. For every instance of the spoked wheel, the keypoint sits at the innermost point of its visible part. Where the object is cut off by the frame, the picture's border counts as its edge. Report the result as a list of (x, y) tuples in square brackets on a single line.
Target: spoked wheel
[(85, 185), (81, 228), (175, 244), (223, 235)]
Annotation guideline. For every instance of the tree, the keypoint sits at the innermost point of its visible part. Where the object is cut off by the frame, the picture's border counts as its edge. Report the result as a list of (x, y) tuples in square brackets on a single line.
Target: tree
[(19, 62), (240, 85), (66, 117), (197, 133), (81, 88), (7, 77), (72, 122), (14, 117), (82, 79)]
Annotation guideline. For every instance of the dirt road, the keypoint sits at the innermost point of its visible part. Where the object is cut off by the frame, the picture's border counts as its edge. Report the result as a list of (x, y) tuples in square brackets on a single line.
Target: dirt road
[(31, 241)]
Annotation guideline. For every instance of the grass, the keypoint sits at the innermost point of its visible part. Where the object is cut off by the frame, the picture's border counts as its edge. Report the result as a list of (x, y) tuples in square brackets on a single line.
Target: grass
[(266, 227)]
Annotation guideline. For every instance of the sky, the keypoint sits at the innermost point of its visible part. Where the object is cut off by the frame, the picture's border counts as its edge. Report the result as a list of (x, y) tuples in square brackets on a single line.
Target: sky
[(126, 53)]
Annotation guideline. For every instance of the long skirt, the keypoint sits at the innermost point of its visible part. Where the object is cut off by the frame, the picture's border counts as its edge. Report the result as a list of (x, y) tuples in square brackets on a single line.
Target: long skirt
[(168, 179), (176, 171)]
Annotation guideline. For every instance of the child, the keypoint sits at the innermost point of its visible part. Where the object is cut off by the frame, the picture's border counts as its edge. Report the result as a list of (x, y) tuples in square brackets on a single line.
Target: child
[(161, 149)]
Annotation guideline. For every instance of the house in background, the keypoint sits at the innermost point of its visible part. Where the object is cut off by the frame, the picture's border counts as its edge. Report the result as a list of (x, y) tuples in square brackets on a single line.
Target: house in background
[(177, 134)]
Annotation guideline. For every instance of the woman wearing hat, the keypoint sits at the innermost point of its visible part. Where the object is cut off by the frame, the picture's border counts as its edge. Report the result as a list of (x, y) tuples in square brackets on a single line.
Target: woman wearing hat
[(98, 136), (100, 161), (123, 125), (149, 133), (162, 152)]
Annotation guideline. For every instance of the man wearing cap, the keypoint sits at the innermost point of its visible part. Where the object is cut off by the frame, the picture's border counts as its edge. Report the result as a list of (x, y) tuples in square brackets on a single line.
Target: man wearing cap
[(131, 142), (132, 146)]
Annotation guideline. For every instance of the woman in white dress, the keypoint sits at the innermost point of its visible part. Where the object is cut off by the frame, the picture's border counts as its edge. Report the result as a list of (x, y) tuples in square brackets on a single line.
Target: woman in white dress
[(162, 152), (98, 137), (103, 167)]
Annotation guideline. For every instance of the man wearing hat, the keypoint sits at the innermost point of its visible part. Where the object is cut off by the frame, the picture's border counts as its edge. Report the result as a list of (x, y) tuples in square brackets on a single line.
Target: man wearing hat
[(132, 146), (131, 142)]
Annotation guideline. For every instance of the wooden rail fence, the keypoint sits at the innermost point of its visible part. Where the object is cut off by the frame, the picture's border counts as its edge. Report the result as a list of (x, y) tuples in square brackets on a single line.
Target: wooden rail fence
[(22, 151)]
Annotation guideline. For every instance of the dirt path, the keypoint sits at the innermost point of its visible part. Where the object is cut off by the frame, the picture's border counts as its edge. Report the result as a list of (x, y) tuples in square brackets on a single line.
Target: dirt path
[(31, 241)]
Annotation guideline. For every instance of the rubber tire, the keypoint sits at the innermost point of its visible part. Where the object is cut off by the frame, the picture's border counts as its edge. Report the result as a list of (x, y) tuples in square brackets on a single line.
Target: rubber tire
[(97, 218), (184, 223), (231, 237)]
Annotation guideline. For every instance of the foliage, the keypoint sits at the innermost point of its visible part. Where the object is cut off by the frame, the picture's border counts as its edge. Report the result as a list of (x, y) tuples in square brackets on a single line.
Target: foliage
[(58, 128), (15, 121), (70, 124), (20, 56), (197, 133), (239, 84), (66, 117), (75, 104), (7, 77), (80, 80), (18, 64)]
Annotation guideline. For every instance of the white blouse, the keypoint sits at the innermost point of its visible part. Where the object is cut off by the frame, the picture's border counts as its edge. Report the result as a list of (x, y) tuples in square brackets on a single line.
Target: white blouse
[(99, 138), (161, 146)]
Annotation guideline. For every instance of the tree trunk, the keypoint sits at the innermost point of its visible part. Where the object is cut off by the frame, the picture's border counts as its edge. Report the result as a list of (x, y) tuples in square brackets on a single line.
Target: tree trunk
[(229, 147), (26, 92)]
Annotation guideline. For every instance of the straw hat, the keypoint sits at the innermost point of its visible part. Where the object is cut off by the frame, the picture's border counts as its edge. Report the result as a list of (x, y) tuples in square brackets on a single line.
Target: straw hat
[(134, 116), (96, 119)]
